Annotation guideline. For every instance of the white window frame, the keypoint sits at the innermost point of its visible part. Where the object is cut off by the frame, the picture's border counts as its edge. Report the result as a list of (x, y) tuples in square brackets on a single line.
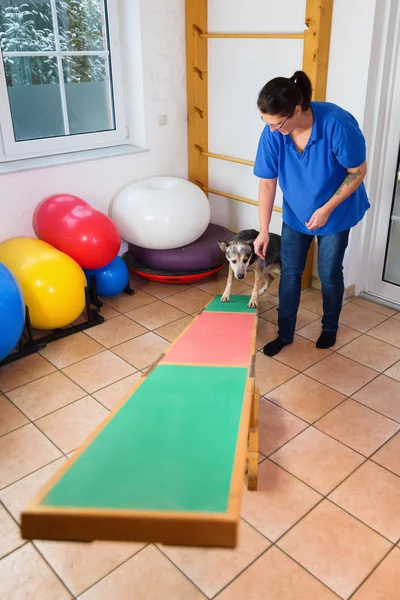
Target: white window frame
[(13, 150)]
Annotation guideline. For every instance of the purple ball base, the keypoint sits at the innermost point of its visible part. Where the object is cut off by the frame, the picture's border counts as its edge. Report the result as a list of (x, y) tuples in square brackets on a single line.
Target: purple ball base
[(202, 254)]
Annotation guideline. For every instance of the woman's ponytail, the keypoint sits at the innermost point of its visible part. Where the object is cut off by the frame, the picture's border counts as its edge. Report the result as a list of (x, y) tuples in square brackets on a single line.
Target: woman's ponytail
[(302, 80), (281, 95)]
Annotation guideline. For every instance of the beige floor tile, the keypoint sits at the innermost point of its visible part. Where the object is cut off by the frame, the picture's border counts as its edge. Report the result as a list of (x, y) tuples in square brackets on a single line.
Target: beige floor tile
[(162, 290), (10, 538), (82, 565), (171, 331), (70, 426), (358, 427), (304, 317), (142, 351), (277, 427), (389, 455), (383, 395), (155, 315), (115, 331), (107, 312), (301, 354), (312, 300), (98, 371), (344, 334), (280, 501), (266, 332), (45, 395), (275, 576), (22, 452), (340, 561), (71, 349), (372, 494), (360, 318), (306, 398), (124, 303), (341, 374), (394, 371), (149, 576), (18, 495), (24, 575), (217, 285), (389, 332), (23, 371), (189, 301), (371, 352), (384, 583), (317, 459), (211, 569), (10, 417), (270, 373), (384, 310), (113, 394)]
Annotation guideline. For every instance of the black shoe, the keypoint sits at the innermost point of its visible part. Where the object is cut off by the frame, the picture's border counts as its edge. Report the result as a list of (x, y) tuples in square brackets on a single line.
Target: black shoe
[(273, 348), (327, 339)]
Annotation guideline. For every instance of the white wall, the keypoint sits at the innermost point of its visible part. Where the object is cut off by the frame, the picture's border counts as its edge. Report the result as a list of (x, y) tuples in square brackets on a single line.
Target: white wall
[(161, 39), (348, 79)]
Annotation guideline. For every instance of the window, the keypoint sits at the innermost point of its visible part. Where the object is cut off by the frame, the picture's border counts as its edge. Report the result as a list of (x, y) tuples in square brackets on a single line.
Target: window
[(60, 79)]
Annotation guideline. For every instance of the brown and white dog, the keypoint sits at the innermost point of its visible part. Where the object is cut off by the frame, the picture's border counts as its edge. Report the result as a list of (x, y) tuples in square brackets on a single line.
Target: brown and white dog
[(240, 254)]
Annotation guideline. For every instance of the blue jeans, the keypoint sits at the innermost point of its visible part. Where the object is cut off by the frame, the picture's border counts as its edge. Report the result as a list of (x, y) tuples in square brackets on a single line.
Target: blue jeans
[(294, 249)]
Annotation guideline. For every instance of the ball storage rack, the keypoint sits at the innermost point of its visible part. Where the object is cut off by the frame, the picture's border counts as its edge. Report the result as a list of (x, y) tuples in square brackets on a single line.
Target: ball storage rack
[(29, 343)]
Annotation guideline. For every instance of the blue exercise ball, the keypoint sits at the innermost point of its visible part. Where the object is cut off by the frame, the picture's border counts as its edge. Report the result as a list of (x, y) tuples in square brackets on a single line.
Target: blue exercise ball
[(111, 279), (12, 312)]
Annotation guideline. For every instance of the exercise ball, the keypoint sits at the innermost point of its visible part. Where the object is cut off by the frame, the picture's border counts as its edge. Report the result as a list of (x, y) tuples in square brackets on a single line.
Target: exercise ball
[(161, 213), (12, 312), (112, 279), (52, 283), (73, 226)]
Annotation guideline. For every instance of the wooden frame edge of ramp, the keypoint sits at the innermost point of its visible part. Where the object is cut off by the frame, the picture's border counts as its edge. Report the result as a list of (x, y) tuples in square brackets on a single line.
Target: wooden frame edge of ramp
[(168, 464)]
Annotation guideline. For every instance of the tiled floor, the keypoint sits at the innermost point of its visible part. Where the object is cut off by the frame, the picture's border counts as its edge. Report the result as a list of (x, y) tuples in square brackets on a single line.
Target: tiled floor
[(325, 522)]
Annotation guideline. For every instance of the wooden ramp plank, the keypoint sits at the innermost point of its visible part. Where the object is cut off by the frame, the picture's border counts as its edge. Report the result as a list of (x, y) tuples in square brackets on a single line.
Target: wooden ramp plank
[(167, 456)]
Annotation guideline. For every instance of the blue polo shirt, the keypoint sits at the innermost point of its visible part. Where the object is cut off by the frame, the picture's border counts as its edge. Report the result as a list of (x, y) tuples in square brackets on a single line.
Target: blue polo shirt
[(310, 178)]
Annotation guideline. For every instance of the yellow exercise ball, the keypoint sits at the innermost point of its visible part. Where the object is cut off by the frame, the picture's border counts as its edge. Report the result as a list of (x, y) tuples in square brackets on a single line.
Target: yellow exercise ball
[(52, 283)]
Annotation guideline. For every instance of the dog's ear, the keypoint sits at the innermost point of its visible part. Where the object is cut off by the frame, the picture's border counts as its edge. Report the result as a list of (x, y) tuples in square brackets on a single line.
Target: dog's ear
[(223, 245)]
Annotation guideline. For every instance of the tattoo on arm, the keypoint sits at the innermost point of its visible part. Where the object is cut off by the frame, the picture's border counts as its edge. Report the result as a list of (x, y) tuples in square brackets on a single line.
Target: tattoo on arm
[(350, 177)]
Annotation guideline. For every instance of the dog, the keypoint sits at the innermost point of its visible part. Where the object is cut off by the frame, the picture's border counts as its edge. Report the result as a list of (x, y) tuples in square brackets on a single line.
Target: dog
[(240, 254)]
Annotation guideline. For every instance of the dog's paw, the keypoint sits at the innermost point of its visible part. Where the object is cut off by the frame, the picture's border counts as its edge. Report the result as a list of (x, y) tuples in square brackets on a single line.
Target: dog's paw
[(262, 291), (225, 298), (253, 303)]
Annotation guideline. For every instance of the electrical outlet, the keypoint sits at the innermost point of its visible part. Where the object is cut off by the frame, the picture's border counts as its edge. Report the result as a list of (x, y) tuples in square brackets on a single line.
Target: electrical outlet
[(162, 120)]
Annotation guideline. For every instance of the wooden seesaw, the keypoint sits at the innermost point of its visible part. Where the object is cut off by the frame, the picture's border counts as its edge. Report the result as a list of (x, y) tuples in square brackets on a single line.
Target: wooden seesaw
[(167, 465)]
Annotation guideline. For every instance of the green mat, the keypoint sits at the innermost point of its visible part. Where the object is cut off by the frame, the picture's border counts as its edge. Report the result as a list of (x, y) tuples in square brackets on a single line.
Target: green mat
[(170, 447), (235, 304)]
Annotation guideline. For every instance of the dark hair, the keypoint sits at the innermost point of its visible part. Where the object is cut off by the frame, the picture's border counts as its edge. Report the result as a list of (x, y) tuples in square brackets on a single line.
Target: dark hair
[(281, 95)]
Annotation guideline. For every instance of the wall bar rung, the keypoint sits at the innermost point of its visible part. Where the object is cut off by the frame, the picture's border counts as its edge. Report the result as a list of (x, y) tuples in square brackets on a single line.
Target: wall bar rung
[(253, 36), (238, 198), (240, 161)]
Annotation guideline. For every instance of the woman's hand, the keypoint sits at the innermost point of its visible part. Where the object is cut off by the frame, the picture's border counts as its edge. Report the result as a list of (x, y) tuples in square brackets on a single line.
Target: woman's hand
[(319, 219), (261, 244)]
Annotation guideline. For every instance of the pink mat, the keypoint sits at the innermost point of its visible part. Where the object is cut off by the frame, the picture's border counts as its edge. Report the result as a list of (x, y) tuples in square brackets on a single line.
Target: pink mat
[(215, 339)]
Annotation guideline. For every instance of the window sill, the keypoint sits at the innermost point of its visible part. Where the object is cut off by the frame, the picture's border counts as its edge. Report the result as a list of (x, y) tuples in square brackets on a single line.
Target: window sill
[(40, 162)]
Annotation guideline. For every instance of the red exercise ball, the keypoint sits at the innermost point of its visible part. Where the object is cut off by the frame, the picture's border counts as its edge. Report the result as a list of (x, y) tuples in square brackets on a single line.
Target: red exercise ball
[(73, 226)]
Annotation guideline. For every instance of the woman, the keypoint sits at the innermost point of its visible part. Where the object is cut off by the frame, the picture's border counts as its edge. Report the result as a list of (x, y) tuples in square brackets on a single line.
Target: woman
[(317, 151)]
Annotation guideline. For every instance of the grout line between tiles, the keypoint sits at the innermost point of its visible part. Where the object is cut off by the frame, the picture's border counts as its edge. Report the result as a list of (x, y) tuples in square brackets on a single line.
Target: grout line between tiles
[(53, 570), (186, 576), (31, 473), (241, 572), (114, 569), (370, 573)]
